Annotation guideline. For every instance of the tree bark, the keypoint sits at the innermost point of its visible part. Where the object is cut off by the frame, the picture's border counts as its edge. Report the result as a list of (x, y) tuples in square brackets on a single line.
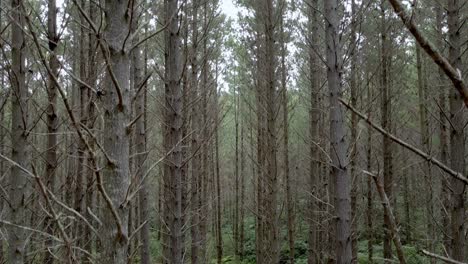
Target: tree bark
[(313, 255), (117, 113), (457, 137), (386, 125), (369, 209), (354, 46), (426, 146), (173, 118), (139, 86), (443, 133), (196, 120), (52, 118), (338, 144), (19, 184), (287, 179)]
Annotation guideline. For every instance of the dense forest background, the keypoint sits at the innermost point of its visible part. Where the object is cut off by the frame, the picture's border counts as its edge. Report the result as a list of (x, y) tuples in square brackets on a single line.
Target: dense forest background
[(288, 131)]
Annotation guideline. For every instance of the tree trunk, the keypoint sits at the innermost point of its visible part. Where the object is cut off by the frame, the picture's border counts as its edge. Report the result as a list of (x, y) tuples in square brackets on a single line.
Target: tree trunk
[(443, 135), (369, 209), (287, 180), (196, 143), (117, 113), (52, 118), (338, 145), (173, 135), (270, 236), (219, 237), (425, 143), (140, 143), (457, 137), (386, 125), (354, 46), (313, 255), (19, 183)]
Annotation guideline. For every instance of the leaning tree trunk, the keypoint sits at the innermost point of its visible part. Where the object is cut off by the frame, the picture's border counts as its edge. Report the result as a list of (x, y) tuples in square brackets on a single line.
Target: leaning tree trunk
[(457, 137), (19, 184), (338, 145), (117, 111)]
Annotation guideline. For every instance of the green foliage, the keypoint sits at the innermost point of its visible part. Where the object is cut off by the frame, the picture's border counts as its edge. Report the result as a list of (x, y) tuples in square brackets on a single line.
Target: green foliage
[(411, 254)]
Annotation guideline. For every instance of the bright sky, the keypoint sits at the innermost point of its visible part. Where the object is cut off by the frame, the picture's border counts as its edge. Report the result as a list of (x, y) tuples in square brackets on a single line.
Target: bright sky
[(228, 7)]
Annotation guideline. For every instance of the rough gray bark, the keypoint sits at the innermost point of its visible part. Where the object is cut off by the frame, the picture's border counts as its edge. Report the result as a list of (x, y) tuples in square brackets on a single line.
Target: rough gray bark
[(386, 124), (457, 137), (313, 255), (338, 145), (269, 217), (52, 118), (287, 179), (196, 126), (443, 134), (19, 185), (117, 113), (354, 46), (173, 252), (219, 237), (426, 146), (139, 87), (369, 208), (90, 199)]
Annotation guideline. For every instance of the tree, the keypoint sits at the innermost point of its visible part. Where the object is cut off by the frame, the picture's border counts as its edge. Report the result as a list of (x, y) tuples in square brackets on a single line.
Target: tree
[(117, 119), (457, 138), (338, 145), (19, 182), (172, 137), (52, 115)]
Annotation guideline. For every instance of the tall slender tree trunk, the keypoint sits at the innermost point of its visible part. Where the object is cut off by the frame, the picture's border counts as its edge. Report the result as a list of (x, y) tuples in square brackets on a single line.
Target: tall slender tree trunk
[(219, 237), (52, 118), (443, 134), (173, 118), (425, 142), (369, 209), (79, 194), (338, 145), (270, 237), (19, 183), (386, 124), (140, 142), (236, 175), (196, 143), (313, 255), (4, 92), (242, 192), (287, 179), (90, 194), (117, 114), (354, 123), (457, 137)]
